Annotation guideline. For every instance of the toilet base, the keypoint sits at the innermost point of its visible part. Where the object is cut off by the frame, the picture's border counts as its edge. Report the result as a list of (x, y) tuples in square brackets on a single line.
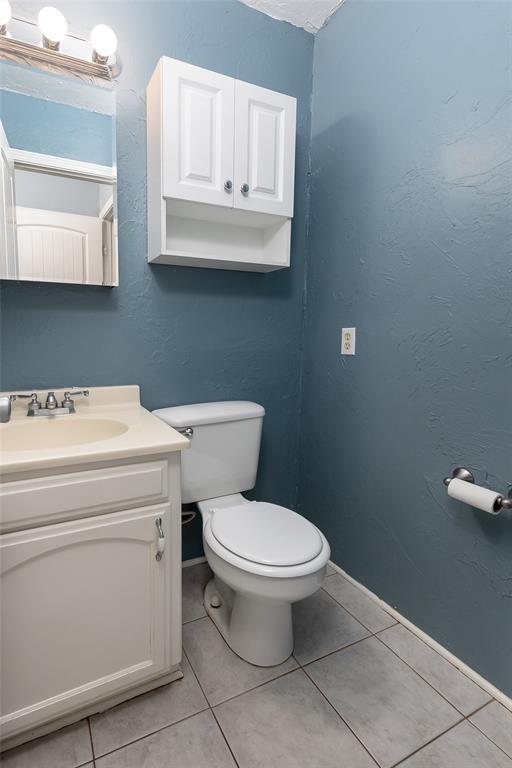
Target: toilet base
[(259, 630)]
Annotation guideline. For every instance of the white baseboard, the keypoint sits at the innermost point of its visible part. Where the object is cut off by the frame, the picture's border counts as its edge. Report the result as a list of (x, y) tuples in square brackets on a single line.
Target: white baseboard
[(441, 650)]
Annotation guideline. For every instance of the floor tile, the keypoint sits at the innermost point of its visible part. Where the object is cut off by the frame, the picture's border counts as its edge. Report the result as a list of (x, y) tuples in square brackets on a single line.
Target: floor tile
[(193, 743), (387, 705), (67, 748), (329, 570), (221, 672), (496, 722), (288, 723), (460, 691), (462, 747), (321, 626), (147, 713), (194, 580), (363, 608)]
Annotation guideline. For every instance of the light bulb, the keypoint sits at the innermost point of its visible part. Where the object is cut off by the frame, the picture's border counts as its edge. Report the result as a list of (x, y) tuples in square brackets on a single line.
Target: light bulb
[(5, 12), (5, 16), (104, 43), (53, 25)]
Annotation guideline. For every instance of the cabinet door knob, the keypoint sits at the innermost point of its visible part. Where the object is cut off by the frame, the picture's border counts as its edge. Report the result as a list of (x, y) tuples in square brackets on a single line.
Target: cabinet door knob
[(244, 189), (228, 185)]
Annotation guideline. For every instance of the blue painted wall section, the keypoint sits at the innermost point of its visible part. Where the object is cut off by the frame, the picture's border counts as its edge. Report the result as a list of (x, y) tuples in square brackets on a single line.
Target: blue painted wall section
[(411, 241), (38, 125), (185, 335)]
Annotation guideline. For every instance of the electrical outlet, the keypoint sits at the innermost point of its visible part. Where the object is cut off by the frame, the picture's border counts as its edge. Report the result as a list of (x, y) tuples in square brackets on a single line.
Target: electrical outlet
[(348, 341)]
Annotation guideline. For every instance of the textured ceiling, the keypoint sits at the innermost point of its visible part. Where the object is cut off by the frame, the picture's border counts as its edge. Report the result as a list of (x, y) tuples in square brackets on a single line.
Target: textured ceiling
[(309, 14)]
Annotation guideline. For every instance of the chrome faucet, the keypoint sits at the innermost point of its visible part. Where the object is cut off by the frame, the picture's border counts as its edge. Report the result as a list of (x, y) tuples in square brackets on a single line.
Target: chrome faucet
[(7, 401), (51, 406)]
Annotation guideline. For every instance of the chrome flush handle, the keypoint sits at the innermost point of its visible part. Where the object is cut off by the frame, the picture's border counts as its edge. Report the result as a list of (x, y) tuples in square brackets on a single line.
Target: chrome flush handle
[(160, 546)]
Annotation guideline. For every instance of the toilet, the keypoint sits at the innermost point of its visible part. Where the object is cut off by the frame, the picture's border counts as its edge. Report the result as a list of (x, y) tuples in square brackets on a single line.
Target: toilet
[(264, 557)]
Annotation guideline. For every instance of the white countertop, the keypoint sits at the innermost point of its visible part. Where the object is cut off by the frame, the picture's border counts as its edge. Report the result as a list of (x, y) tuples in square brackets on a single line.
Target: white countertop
[(145, 433)]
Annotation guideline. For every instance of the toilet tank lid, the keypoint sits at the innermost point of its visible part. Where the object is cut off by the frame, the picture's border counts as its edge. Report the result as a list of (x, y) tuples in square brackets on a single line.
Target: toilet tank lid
[(195, 415)]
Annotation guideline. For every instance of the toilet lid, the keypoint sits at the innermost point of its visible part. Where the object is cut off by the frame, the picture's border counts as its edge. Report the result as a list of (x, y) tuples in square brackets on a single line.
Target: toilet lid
[(266, 533)]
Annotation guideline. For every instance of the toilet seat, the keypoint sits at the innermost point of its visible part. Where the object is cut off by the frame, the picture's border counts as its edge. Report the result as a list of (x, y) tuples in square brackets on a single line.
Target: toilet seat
[(266, 534)]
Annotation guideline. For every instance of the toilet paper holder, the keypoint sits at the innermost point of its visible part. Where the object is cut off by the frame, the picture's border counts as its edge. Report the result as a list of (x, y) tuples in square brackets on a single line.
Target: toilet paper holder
[(461, 473)]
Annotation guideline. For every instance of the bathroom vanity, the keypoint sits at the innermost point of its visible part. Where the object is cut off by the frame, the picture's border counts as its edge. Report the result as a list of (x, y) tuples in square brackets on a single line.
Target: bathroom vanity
[(90, 559)]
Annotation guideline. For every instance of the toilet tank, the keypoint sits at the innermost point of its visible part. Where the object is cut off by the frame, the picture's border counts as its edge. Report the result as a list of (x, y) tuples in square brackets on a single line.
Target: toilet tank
[(224, 449)]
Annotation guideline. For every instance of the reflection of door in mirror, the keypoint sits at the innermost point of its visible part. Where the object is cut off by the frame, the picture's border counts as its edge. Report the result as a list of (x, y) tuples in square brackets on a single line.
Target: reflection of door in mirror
[(58, 208), (60, 228)]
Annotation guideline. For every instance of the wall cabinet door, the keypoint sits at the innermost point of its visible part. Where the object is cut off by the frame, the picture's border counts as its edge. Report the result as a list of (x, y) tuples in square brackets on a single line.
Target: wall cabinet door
[(197, 133), (85, 611), (264, 150)]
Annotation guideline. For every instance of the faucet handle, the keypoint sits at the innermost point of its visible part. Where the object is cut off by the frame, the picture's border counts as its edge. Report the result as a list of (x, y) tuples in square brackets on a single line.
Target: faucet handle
[(34, 404), (20, 396), (68, 402)]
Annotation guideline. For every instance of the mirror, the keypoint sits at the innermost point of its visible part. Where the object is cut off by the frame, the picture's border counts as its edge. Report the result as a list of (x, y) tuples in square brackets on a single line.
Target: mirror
[(58, 205)]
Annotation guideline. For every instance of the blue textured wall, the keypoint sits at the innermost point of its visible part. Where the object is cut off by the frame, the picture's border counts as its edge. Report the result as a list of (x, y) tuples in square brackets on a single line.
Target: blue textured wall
[(45, 126), (411, 241), (185, 335)]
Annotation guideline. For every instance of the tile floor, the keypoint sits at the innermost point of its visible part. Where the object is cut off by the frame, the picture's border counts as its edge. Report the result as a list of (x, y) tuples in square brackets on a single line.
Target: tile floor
[(360, 691)]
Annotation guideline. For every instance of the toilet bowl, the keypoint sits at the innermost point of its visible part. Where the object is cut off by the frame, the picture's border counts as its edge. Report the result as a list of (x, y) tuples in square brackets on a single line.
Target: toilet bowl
[(264, 557), (251, 594)]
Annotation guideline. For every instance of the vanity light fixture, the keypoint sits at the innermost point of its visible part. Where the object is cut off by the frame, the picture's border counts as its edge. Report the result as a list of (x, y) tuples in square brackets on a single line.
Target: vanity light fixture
[(59, 49), (5, 16), (53, 26), (104, 43)]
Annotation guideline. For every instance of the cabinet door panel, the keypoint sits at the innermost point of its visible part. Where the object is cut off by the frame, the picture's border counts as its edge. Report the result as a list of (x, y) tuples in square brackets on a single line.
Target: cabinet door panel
[(84, 613), (197, 133), (264, 149)]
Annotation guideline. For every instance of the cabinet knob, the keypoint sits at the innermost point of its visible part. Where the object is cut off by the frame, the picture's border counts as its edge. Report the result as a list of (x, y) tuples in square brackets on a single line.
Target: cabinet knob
[(228, 185), (244, 189)]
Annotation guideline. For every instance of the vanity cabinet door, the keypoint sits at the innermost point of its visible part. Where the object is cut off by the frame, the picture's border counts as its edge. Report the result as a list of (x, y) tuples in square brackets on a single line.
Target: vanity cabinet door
[(85, 613), (197, 133), (264, 150)]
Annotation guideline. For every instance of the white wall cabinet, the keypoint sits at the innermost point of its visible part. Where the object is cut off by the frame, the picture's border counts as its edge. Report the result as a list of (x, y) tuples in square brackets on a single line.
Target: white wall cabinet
[(89, 616), (221, 160)]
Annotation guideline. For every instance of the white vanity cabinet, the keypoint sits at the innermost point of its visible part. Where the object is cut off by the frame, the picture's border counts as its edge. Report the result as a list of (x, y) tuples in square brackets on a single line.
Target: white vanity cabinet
[(221, 160), (90, 610)]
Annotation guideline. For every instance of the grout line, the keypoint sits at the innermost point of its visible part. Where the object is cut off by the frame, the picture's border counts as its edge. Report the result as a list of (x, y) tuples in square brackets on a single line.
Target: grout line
[(395, 622), (225, 738), (210, 707), (90, 739), (189, 621), (339, 715), (483, 732), (413, 669), (428, 743), (157, 730), (332, 653)]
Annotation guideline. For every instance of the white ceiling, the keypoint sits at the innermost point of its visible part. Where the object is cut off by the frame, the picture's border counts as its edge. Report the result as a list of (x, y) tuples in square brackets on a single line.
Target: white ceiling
[(309, 14)]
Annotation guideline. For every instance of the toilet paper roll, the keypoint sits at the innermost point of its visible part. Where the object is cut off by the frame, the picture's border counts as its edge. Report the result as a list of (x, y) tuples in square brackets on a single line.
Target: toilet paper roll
[(472, 494)]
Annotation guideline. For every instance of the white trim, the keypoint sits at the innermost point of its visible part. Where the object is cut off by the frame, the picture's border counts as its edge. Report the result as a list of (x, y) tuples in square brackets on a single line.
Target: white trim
[(108, 206), (36, 161), (193, 561), (441, 650)]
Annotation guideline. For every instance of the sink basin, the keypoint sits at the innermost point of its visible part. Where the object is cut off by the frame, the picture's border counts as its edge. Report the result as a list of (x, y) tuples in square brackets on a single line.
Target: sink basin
[(57, 432)]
